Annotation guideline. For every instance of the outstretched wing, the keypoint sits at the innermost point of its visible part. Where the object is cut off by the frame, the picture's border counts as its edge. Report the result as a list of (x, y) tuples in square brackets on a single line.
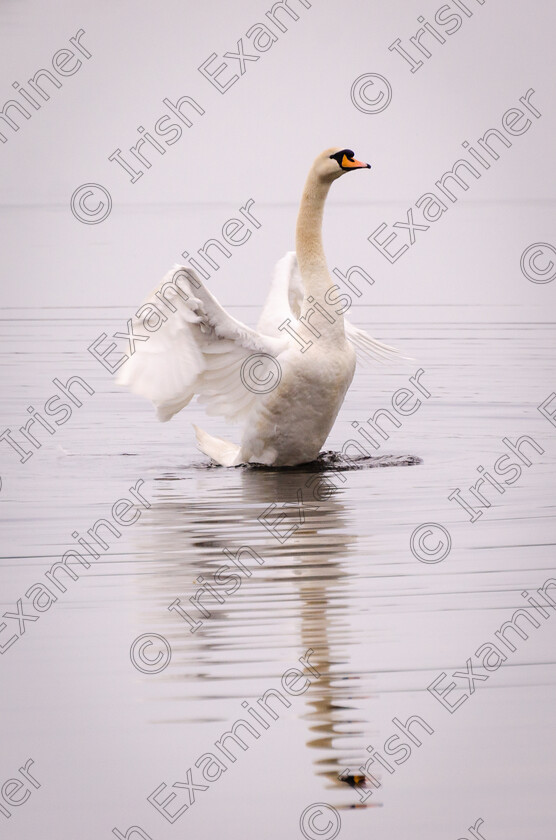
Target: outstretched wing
[(285, 300), (368, 348), (285, 296), (198, 349)]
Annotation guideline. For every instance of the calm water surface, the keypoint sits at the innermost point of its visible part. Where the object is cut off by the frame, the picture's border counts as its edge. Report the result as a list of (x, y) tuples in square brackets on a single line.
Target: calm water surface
[(381, 624)]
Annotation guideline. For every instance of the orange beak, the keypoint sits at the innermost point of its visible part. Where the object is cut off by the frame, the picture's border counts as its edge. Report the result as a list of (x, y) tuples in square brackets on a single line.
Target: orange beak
[(354, 164)]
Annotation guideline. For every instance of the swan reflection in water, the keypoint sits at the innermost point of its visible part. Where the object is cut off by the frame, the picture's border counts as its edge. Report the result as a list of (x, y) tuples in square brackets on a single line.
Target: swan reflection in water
[(297, 597)]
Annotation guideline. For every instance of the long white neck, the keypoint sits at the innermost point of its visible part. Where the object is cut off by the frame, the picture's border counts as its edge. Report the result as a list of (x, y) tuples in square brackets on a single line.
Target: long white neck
[(308, 237), (310, 252)]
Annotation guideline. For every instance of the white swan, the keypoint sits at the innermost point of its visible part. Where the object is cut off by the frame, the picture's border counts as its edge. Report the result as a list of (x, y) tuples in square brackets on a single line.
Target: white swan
[(285, 393)]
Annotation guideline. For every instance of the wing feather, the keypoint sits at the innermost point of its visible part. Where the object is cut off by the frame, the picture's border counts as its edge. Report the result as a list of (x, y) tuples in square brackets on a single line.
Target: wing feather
[(199, 349)]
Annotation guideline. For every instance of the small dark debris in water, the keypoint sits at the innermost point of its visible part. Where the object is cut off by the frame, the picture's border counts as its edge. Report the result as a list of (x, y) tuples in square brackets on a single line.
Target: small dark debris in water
[(334, 461), (354, 780)]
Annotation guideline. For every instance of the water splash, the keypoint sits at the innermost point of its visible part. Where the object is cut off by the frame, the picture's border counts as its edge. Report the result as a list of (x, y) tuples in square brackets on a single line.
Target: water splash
[(329, 460)]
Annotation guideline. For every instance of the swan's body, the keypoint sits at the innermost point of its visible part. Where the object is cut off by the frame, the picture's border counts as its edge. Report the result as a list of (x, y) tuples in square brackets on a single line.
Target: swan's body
[(287, 394)]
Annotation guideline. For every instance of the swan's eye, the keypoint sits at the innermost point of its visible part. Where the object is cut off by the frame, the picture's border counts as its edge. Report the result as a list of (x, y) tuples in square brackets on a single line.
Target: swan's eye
[(339, 156)]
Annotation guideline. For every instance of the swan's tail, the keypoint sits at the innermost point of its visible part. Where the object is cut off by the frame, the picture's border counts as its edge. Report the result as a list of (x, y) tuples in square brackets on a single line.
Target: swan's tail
[(221, 451)]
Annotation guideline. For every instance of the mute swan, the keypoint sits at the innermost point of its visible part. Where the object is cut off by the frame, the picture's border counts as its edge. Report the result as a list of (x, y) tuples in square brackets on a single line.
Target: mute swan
[(286, 381)]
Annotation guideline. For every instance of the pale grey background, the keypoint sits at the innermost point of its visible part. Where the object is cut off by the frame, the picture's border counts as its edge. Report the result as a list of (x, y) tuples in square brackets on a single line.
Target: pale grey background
[(258, 140)]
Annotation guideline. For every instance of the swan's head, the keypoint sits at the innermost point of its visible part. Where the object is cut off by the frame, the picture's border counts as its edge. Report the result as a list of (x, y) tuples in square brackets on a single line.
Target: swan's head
[(335, 162)]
